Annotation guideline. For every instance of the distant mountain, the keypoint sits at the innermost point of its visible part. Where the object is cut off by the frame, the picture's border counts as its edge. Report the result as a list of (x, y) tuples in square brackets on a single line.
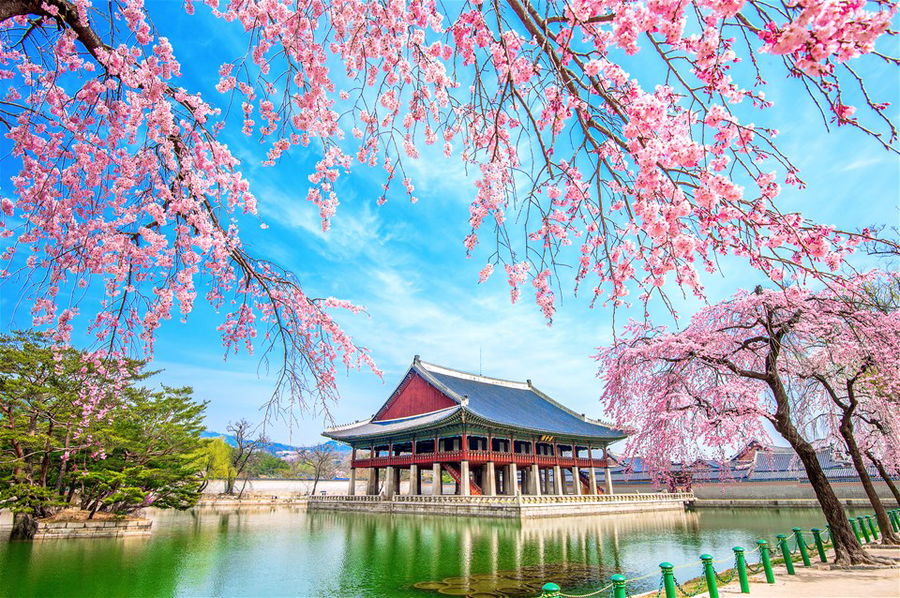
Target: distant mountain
[(276, 447)]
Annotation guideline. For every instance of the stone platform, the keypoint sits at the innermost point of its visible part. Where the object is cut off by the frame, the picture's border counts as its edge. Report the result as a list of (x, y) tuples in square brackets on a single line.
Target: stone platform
[(519, 507)]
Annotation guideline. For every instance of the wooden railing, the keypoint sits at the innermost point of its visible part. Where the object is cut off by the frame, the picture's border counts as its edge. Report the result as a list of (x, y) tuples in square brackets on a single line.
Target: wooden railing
[(477, 457)]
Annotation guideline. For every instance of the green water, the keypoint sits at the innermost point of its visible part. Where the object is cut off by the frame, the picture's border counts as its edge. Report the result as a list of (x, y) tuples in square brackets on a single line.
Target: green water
[(285, 552)]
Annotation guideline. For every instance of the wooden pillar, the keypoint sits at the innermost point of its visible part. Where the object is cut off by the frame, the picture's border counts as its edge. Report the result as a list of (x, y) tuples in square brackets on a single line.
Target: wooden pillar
[(351, 489), (490, 479), (535, 479), (593, 481), (436, 480), (464, 477), (576, 478), (557, 480)]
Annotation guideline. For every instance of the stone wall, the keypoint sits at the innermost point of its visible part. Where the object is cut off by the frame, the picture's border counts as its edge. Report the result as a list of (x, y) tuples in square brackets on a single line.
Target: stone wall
[(53, 530), (780, 490), (520, 507)]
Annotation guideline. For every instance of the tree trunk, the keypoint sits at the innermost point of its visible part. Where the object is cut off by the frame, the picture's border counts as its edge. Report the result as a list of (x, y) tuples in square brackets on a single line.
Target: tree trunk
[(24, 527), (887, 532), (885, 476), (847, 550)]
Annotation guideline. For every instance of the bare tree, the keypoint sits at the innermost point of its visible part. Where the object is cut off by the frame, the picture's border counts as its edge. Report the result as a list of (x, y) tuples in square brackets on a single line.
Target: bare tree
[(245, 448), (321, 461)]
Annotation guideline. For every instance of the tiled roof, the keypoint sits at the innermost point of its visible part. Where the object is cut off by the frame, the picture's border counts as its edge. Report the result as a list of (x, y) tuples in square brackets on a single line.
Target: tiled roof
[(515, 404), (501, 402)]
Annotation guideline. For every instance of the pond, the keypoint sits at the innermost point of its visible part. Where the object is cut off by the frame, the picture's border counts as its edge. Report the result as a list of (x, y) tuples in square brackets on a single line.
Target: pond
[(284, 551)]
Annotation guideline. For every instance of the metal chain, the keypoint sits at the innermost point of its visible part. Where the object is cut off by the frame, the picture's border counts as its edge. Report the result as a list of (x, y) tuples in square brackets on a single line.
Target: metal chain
[(603, 589), (724, 580), (755, 570), (682, 590)]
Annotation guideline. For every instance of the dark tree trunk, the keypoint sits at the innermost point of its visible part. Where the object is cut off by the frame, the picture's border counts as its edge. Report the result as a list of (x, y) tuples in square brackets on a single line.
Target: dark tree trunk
[(24, 527), (885, 476), (847, 549), (887, 533)]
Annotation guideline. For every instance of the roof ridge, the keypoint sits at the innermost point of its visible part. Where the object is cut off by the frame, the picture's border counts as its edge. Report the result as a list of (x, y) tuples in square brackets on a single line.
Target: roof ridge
[(440, 369), (348, 426)]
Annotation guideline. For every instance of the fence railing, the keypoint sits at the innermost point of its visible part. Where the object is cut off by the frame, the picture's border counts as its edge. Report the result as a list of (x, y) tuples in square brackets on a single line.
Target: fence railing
[(865, 527), (674, 497)]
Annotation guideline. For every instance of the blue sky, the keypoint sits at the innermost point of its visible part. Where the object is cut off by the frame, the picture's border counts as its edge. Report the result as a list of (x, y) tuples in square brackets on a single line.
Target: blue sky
[(406, 263)]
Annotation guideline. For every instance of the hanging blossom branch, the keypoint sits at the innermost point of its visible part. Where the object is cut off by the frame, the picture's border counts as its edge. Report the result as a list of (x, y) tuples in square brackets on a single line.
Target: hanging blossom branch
[(123, 179), (124, 182), (628, 185)]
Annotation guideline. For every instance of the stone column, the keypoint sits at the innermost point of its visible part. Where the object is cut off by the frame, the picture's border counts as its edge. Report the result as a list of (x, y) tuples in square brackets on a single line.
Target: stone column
[(490, 480), (464, 478), (535, 479), (592, 483), (413, 480), (390, 474), (512, 487), (557, 480), (576, 480), (436, 481), (607, 475), (351, 490), (547, 488), (372, 486)]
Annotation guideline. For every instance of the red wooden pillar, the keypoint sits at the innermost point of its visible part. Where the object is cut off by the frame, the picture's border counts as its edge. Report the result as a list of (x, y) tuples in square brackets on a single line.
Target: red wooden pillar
[(464, 445)]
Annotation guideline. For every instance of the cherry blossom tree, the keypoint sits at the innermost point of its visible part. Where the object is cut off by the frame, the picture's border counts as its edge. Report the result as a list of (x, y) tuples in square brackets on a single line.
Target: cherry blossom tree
[(747, 360), (634, 179), (851, 361)]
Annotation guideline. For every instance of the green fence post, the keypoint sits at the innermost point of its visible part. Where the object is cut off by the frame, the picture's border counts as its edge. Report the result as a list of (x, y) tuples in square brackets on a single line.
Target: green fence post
[(741, 564), (855, 530), (862, 527), (764, 557), (618, 582), (801, 544), (894, 523), (830, 539), (710, 575), (786, 553), (820, 546), (549, 590), (872, 527), (668, 576)]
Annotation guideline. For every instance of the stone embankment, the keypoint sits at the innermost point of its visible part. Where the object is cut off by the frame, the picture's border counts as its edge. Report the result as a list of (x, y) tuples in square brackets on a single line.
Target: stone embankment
[(521, 507), (57, 530)]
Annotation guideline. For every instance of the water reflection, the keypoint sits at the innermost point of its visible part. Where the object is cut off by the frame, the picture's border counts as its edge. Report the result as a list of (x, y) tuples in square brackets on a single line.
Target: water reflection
[(280, 551)]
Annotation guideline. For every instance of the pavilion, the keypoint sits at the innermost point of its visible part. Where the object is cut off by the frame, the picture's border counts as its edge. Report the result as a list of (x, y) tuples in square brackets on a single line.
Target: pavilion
[(493, 437)]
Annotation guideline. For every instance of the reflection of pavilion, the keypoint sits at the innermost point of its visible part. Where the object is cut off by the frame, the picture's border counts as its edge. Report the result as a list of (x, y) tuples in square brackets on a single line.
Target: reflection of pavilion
[(493, 438), (433, 548)]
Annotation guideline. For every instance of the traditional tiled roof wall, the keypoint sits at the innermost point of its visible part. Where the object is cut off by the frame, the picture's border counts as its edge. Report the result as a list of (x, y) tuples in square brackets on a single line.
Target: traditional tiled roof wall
[(777, 464)]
